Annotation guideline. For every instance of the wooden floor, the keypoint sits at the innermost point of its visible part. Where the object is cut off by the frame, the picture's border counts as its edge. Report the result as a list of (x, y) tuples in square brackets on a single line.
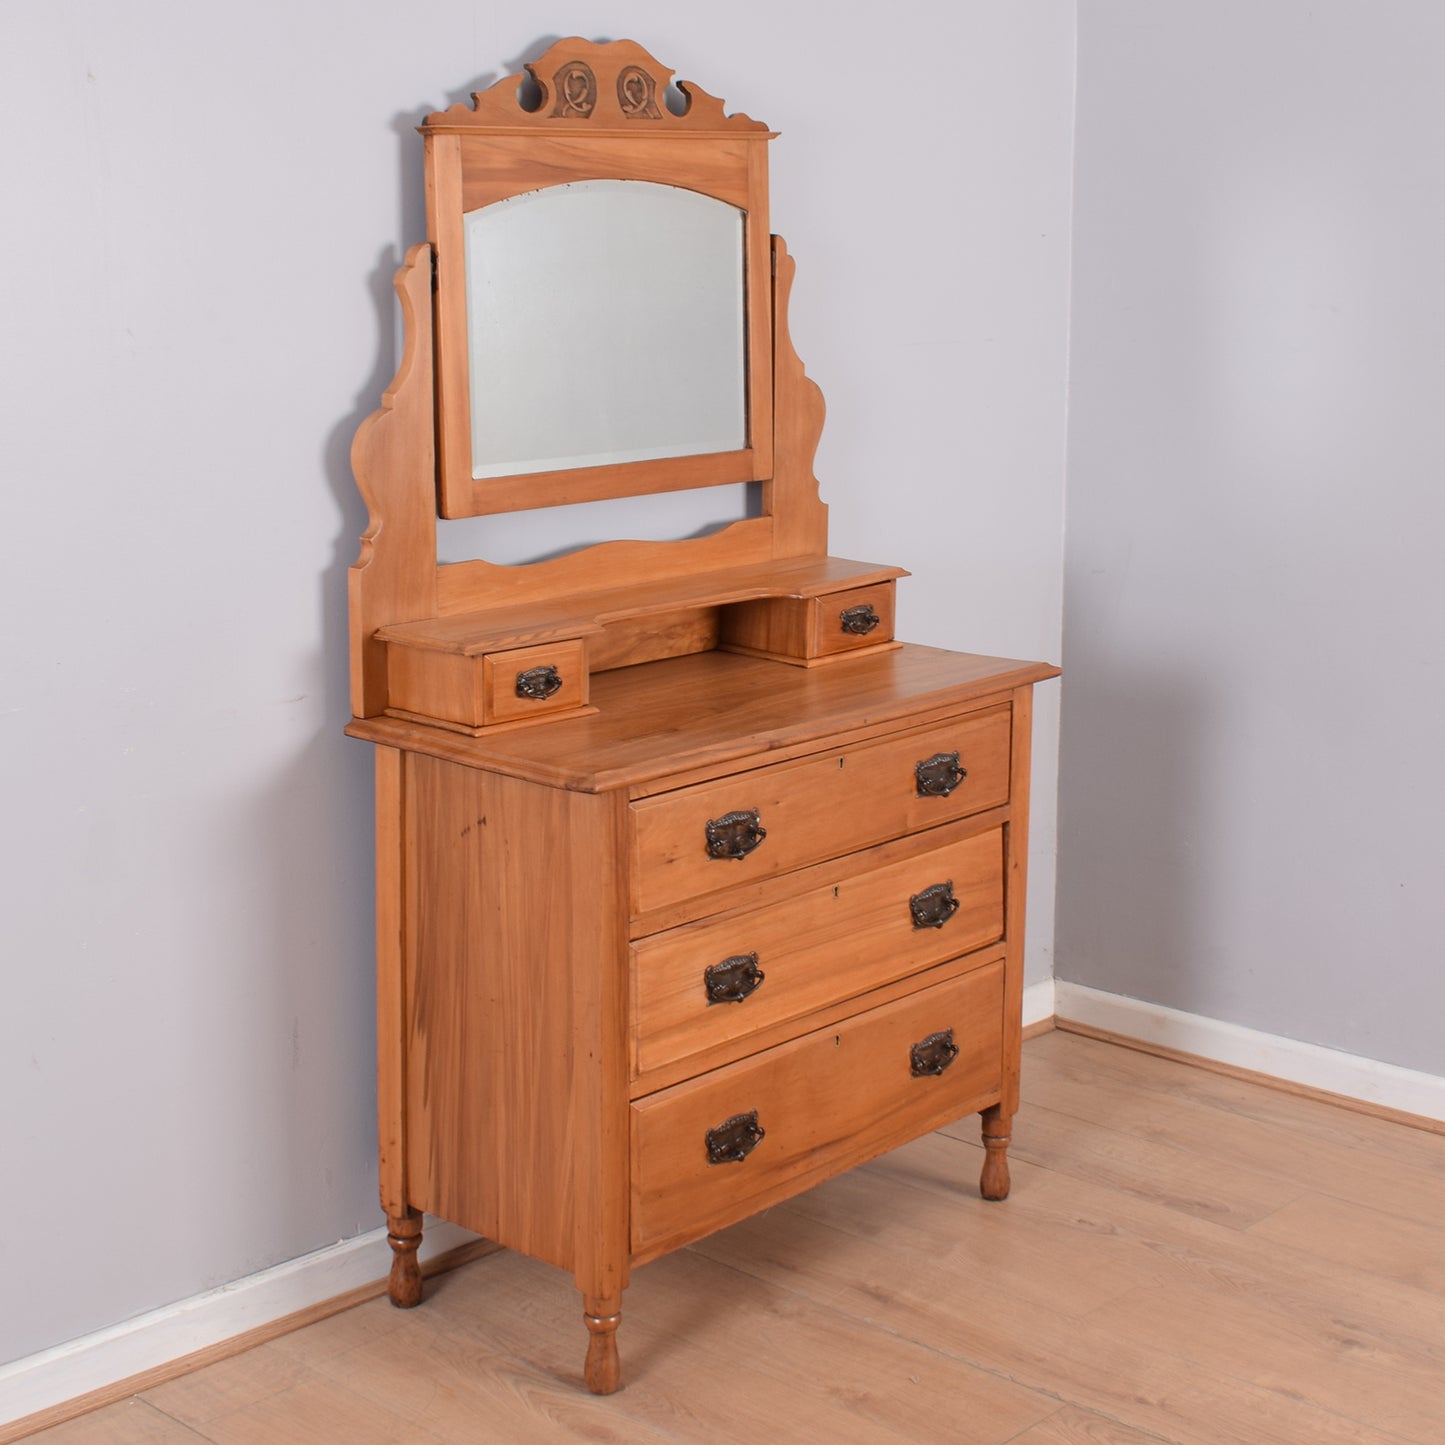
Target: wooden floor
[(1185, 1257)]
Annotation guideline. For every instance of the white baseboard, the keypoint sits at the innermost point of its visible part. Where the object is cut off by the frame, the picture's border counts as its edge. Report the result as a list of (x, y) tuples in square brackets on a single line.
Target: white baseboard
[(40, 1381), (1038, 1002), (1386, 1086)]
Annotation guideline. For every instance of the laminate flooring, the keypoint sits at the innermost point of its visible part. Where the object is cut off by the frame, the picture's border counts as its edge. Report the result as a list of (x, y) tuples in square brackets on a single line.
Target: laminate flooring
[(1185, 1257)]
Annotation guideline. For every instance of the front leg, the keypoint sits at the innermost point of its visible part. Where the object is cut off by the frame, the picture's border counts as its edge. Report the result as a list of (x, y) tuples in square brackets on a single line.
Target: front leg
[(994, 1182), (603, 1370), (403, 1234)]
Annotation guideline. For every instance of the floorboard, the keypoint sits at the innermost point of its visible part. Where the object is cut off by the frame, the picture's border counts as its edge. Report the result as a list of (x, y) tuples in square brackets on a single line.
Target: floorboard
[(1185, 1258)]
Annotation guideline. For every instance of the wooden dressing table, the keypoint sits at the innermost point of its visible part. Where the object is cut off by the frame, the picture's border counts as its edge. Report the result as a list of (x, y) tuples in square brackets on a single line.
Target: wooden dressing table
[(694, 886)]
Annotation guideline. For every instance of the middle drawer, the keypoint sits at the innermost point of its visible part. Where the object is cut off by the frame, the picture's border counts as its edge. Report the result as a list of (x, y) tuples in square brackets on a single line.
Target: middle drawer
[(871, 919)]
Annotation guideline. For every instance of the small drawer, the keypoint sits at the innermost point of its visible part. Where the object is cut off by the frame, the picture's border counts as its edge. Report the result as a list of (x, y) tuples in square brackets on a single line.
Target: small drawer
[(844, 621), (709, 983), (470, 692), (529, 682), (711, 1151), (810, 629), (694, 841)]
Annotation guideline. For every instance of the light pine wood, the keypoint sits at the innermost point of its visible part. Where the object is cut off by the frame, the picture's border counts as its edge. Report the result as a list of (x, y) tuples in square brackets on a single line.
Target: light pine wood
[(851, 932), (826, 1101), (791, 497), (501, 671), (800, 630), (512, 945), (827, 805), (784, 712), (390, 984), (393, 459), (889, 1305), (532, 611), (497, 150), (547, 902)]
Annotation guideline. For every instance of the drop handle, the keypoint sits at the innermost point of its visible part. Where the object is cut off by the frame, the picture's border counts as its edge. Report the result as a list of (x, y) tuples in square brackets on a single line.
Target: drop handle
[(938, 776), (539, 683), (934, 906), (734, 835), (734, 1139), (732, 980), (858, 621), (932, 1055)]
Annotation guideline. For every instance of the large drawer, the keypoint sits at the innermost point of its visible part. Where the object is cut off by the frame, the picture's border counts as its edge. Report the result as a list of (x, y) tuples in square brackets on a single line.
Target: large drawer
[(823, 1103), (696, 987), (818, 807)]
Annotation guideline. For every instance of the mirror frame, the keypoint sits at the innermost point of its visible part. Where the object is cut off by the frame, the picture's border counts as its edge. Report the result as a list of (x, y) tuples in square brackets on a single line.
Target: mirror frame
[(602, 116)]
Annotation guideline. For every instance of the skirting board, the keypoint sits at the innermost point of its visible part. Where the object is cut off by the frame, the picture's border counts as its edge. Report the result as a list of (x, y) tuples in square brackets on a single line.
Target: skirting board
[(1038, 1005), (92, 1362), (1349, 1078)]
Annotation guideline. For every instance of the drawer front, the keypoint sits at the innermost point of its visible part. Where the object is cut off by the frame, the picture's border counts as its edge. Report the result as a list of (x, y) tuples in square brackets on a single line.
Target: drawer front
[(816, 808), (845, 620), (527, 682), (698, 986), (823, 1103)]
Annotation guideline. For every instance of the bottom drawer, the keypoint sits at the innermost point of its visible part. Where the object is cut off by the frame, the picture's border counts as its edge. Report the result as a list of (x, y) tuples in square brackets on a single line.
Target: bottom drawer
[(823, 1103)]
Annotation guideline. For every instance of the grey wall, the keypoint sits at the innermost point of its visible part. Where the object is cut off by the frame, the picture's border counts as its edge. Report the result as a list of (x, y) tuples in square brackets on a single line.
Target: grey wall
[(203, 208), (1252, 791)]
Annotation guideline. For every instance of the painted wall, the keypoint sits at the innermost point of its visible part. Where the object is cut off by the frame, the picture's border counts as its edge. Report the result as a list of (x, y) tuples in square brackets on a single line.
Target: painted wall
[(204, 208), (1252, 795)]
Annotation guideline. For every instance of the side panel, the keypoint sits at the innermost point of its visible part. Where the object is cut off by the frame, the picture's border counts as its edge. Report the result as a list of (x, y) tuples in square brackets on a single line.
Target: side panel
[(516, 1057)]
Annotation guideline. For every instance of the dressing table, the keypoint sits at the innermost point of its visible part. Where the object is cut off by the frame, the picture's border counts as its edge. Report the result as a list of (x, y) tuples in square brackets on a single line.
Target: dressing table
[(694, 886)]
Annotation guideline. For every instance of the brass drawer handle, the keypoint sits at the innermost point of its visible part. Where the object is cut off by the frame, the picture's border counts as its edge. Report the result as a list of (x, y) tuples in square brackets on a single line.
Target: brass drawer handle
[(734, 1139), (939, 775), (934, 906), (538, 683), (732, 980), (734, 835), (859, 621), (933, 1054)]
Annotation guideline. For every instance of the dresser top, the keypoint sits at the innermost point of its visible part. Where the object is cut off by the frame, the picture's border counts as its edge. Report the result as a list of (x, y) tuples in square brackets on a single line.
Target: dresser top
[(711, 709)]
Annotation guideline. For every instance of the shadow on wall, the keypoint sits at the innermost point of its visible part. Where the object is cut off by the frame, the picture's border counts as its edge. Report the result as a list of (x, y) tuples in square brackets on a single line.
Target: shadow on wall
[(1134, 799)]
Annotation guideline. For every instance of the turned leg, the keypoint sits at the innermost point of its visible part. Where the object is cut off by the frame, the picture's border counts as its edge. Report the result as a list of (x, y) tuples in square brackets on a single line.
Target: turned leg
[(603, 1370), (403, 1234), (994, 1182)]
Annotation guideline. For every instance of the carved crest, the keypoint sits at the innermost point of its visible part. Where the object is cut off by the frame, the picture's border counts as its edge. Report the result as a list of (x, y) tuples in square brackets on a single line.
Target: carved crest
[(596, 87), (575, 88)]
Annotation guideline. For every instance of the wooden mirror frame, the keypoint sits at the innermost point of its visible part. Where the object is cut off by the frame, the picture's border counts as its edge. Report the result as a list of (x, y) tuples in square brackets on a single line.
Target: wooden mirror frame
[(751, 585), (602, 116)]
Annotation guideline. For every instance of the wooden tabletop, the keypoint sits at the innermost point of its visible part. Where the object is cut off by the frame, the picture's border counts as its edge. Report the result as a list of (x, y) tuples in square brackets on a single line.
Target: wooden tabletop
[(708, 709)]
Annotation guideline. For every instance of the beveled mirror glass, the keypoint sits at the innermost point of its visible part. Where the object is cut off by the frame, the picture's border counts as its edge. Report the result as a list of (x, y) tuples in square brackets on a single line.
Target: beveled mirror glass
[(605, 324)]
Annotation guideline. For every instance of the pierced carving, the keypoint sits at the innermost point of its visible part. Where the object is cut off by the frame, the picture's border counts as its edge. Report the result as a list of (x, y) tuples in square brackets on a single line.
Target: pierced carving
[(610, 84), (637, 94), (575, 87)]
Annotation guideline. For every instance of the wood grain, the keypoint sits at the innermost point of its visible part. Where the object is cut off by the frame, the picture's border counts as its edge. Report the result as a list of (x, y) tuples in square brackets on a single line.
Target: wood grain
[(799, 629), (826, 1101), (816, 808), (851, 932), (712, 710), (394, 462), (892, 1304), (515, 989)]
